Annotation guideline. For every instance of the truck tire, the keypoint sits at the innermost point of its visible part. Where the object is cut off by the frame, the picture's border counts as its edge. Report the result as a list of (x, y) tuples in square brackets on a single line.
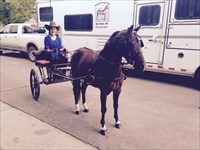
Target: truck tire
[(30, 51)]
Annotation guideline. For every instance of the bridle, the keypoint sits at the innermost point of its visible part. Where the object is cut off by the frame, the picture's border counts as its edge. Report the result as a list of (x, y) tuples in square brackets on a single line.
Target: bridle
[(125, 40)]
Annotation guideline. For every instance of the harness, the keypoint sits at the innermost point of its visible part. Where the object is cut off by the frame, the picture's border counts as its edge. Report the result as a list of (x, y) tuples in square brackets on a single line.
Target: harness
[(93, 76), (91, 71)]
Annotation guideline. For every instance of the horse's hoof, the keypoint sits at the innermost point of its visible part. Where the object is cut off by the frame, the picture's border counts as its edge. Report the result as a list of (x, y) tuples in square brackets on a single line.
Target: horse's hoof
[(104, 132), (118, 126), (77, 112), (86, 110)]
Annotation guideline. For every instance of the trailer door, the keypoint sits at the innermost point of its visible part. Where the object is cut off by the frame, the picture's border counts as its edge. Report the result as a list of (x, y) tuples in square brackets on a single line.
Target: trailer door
[(184, 26), (150, 16)]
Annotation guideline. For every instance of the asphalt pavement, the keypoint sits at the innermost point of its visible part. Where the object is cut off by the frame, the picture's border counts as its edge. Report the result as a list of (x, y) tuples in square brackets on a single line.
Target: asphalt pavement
[(156, 111), (21, 131)]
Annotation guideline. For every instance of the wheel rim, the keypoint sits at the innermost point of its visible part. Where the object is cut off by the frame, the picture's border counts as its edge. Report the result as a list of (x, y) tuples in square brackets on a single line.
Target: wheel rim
[(34, 85)]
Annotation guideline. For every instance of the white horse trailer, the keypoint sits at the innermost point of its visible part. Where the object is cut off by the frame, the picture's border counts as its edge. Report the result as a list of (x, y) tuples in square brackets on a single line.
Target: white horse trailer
[(170, 29)]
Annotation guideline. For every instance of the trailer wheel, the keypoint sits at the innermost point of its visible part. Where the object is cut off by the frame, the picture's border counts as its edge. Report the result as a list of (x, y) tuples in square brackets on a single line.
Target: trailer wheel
[(30, 51), (197, 79), (34, 84)]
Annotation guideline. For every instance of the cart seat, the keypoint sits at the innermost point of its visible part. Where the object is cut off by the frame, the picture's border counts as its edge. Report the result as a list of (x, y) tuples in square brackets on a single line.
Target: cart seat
[(42, 63)]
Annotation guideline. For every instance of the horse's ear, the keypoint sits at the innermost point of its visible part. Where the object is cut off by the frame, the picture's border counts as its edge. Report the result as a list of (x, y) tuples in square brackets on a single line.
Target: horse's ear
[(130, 29), (137, 29)]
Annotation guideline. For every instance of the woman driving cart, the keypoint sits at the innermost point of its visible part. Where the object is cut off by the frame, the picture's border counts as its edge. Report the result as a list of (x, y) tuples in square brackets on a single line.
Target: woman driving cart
[(53, 45)]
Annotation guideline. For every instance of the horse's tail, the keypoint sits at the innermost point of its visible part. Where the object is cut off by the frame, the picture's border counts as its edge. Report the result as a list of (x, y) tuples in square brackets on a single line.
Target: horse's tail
[(75, 59), (75, 73)]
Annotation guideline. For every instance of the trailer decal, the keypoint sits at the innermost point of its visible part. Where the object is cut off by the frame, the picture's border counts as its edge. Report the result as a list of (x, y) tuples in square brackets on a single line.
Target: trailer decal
[(102, 14)]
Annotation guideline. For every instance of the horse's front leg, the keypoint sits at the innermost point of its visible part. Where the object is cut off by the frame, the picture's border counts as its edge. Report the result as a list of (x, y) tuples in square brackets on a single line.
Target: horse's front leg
[(83, 89), (116, 94), (103, 130)]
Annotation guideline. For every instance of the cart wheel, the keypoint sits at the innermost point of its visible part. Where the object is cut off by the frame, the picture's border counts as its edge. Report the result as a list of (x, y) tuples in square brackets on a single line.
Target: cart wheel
[(34, 84)]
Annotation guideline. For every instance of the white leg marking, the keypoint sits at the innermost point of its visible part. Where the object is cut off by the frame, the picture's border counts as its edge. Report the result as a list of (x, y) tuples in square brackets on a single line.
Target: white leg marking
[(77, 107), (118, 122), (85, 106), (104, 128)]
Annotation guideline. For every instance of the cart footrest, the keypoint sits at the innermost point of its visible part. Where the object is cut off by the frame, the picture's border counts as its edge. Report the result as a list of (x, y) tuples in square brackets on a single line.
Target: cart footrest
[(42, 63)]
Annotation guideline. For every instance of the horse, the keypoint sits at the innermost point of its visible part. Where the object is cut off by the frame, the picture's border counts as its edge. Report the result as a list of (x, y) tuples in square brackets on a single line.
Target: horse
[(103, 70)]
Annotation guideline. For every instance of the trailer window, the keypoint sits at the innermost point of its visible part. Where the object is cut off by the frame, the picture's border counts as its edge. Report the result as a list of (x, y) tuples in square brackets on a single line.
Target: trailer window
[(46, 14), (83, 22), (187, 9), (149, 15)]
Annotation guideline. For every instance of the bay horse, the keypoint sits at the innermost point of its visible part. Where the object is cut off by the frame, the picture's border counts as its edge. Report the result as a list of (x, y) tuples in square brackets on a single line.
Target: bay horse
[(104, 70)]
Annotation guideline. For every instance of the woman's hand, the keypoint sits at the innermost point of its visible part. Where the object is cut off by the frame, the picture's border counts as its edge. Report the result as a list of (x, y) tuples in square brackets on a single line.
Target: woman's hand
[(49, 50), (63, 49)]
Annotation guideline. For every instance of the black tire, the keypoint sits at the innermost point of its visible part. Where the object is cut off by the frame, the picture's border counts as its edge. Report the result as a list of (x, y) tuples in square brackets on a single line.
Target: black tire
[(30, 51), (34, 84)]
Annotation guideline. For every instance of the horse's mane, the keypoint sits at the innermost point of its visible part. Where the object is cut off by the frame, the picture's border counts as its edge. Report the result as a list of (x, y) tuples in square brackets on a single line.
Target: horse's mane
[(114, 34)]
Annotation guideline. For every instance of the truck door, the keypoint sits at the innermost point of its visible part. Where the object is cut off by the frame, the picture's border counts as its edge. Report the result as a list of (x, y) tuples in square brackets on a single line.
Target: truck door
[(150, 15), (4, 34), (9, 37)]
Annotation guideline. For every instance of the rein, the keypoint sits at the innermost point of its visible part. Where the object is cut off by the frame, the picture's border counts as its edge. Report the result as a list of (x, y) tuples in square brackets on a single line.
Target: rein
[(113, 80), (97, 54), (90, 71), (109, 62)]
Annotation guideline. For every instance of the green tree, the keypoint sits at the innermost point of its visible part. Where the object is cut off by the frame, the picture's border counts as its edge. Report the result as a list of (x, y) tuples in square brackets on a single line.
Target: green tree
[(5, 8), (16, 11)]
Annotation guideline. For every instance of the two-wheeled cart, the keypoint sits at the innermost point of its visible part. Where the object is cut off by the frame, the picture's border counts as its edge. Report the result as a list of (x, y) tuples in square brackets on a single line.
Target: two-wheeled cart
[(49, 74)]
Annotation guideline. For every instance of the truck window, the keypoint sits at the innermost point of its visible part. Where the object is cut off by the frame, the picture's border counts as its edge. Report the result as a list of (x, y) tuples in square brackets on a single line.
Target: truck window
[(46, 14), (27, 29), (149, 15), (82, 22), (7, 29), (187, 9), (14, 29)]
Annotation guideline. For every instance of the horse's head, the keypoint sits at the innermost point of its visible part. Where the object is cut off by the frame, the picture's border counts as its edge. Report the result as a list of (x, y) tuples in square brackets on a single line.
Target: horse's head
[(130, 47)]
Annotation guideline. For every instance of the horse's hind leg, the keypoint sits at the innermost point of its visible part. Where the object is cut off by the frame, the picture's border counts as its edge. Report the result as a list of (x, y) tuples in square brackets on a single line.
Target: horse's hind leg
[(116, 94), (76, 90), (83, 90)]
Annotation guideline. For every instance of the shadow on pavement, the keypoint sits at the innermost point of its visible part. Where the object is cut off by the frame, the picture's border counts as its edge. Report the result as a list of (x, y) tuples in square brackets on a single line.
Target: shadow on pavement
[(15, 54), (184, 81)]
